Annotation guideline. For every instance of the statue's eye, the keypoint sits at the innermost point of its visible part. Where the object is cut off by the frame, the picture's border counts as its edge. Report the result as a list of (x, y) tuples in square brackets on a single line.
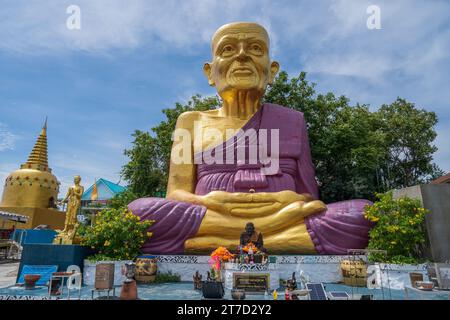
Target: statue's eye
[(256, 48), (227, 50)]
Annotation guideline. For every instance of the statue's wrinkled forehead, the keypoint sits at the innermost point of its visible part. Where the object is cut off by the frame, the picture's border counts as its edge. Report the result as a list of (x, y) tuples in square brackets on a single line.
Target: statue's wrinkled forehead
[(241, 30)]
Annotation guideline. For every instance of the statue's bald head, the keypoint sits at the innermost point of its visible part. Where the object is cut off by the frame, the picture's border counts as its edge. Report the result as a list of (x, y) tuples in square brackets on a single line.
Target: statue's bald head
[(240, 59), (239, 28), (249, 228)]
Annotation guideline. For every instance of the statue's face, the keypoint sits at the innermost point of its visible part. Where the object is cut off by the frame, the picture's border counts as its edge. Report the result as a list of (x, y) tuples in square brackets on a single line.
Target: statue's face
[(249, 229), (77, 179), (240, 59)]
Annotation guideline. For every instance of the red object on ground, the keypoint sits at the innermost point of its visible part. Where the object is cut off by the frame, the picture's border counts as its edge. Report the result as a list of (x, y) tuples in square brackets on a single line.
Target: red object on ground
[(30, 280), (129, 291), (287, 295)]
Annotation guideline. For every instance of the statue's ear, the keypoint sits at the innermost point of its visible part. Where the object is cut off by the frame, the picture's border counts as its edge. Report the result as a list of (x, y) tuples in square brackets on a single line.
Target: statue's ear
[(274, 68), (207, 72)]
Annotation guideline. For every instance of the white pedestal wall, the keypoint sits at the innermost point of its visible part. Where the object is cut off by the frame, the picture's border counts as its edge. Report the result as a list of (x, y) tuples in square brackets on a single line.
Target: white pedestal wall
[(316, 268), (323, 268), (89, 272)]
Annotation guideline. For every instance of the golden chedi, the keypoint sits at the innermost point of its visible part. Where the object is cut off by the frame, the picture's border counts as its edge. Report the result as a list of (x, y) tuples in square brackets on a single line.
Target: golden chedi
[(33, 189)]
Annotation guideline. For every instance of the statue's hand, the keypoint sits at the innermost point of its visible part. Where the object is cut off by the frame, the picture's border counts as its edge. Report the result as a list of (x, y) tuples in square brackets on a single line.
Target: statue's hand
[(251, 205), (185, 196), (227, 203)]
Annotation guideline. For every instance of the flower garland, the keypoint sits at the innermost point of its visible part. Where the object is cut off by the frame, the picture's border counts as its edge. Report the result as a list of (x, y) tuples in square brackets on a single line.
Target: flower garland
[(219, 255), (250, 247)]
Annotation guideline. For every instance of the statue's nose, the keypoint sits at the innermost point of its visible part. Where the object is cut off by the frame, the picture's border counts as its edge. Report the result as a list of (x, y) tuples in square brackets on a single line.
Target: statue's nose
[(242, 54)]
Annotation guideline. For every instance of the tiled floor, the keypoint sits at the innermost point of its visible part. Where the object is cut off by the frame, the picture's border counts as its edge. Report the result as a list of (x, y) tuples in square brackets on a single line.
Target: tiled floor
[(8, 274)]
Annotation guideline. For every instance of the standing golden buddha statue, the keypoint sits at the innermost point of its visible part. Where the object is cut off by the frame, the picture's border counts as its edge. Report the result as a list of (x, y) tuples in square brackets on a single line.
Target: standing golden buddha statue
[(73, 200)]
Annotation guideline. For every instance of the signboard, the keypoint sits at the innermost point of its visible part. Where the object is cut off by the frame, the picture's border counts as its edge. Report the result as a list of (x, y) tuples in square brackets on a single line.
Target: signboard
[(251, 282), (104, 276)]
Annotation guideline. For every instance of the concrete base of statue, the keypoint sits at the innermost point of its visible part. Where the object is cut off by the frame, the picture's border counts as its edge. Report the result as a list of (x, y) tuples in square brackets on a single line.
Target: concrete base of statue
[(316, 268), (319, 268), (52, 254)]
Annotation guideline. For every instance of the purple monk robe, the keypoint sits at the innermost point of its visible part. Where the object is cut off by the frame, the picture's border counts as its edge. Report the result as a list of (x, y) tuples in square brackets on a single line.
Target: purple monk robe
[(295, 169), (175, 222), (340, 228)]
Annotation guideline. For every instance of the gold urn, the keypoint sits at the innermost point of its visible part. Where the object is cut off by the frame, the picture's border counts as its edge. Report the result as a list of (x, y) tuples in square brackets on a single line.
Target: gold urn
[(354, 273)]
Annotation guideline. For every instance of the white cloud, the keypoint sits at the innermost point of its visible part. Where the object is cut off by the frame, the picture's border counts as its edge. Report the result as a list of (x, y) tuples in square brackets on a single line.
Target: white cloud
[(40, 27), (7, 138), (412, 39), (351, 64), (335, 34), (328, 39)]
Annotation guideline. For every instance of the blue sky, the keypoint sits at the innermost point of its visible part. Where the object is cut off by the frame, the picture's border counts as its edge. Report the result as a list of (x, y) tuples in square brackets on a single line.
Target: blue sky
[(133, 58)]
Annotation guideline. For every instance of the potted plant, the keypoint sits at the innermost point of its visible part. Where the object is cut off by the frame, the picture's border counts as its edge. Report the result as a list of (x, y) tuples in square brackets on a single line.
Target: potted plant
[(213, 288), (117, 236)]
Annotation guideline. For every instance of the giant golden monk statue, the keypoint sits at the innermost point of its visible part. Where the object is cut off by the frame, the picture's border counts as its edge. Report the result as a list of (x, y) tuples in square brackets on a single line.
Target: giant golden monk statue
[(217, 184)]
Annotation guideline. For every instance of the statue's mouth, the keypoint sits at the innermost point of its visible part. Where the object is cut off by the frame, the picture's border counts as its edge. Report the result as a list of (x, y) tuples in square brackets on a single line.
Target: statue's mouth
[(242, 71)]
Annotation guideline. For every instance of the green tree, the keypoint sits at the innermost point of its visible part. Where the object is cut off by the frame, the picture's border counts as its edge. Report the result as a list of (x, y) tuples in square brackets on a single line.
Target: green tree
[(122, 199), (409, 136), (143, 172)]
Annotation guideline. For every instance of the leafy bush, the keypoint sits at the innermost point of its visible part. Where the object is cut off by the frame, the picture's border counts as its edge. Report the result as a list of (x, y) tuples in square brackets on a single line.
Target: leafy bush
[(116, 234), (399, 230), (167, 277)]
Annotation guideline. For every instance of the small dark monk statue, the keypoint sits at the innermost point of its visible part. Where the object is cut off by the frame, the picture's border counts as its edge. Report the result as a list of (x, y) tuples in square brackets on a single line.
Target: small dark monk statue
[(197, 281), (250, 235), (292, 283)]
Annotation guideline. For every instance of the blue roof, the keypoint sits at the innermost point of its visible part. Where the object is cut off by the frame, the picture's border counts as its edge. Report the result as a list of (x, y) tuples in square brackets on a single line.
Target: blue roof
[(105, 189)]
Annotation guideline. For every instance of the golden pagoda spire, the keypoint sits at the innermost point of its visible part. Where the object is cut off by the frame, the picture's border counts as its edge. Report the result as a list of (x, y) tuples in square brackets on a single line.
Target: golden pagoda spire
[(38, 158)]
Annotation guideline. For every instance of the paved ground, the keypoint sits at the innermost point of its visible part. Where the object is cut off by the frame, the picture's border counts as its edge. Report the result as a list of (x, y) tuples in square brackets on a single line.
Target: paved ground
[(8, 274)]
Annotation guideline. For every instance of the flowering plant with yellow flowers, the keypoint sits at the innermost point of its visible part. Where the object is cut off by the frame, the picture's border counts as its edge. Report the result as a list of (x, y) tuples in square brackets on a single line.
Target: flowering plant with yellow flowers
[(116, 234), (399, 229)]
